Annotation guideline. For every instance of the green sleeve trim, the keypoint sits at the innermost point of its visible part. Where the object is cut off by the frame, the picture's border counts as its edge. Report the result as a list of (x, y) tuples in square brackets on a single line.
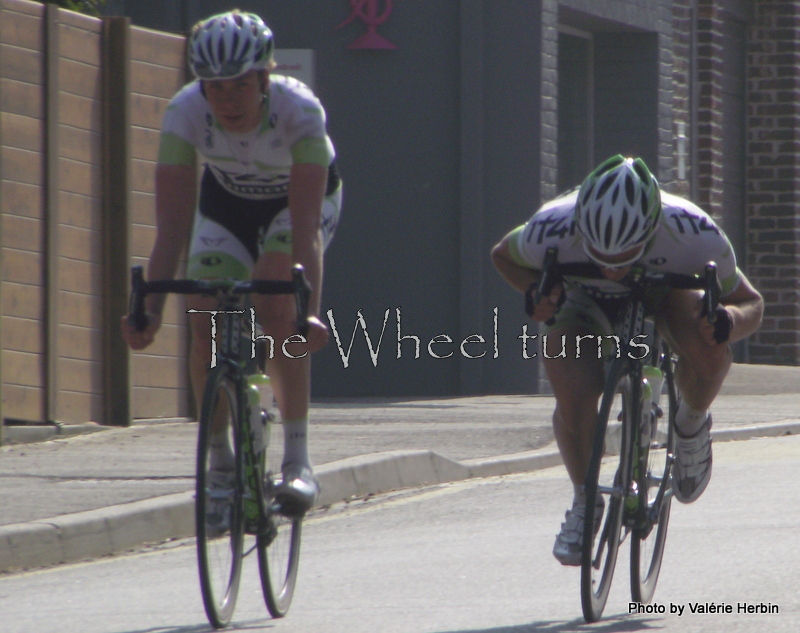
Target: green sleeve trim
[(174, 150), (513, 247), (312, 150), (727, 286)]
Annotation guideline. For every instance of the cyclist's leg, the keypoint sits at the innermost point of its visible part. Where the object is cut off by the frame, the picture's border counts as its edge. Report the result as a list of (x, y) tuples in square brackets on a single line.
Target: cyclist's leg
[(576, 376), (699, 374), (291, 377), (214, 253), (578, 372), (577, 384), (701, 367)]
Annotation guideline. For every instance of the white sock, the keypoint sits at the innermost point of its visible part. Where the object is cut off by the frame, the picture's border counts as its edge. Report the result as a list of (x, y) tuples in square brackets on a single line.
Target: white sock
[(295, 442), (579, 495), (221, 454), (689, 420)]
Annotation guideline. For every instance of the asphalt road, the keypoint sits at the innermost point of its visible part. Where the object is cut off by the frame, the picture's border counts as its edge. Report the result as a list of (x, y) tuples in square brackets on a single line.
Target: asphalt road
[(468, 557)]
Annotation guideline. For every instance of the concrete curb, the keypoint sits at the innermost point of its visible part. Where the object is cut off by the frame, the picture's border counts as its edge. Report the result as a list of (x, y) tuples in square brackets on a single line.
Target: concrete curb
[(29, 434), (86, 535)]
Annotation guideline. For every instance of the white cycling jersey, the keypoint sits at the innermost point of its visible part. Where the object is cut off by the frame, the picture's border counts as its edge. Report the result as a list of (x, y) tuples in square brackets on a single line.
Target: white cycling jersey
[(254, 165), (684, 241)]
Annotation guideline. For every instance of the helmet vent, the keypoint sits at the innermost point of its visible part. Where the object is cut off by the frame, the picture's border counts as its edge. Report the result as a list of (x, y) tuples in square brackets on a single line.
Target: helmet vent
[(623, 220), (604, 186), (630, 189), (642, 173), (597, 230), (632, 232)]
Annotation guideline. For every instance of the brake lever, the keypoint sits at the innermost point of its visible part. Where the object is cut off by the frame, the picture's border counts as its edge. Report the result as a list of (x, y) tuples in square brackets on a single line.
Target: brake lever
[(137, 315), (547, 281), (302, 294)]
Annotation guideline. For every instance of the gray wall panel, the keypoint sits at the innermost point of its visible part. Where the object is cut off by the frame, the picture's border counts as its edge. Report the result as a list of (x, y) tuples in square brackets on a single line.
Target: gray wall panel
[(440, 150)]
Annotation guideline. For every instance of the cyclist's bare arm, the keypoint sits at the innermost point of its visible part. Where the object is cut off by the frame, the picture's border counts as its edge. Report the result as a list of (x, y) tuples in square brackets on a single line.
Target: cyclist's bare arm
[(307, 182), (176, 190), (521, 278)]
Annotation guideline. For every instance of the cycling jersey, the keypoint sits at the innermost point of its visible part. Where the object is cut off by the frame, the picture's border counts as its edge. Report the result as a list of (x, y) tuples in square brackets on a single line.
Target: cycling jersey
[(243, 196), (255, 164), (684, 241)]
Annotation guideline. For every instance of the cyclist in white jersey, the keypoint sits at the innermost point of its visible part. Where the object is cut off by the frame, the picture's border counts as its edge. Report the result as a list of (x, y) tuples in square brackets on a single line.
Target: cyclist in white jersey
[(618, 218), (269, 197)]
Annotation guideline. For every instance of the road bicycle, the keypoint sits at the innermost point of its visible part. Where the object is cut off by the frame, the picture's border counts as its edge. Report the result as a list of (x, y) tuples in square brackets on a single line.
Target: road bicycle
[(252, 517), (628, 483)]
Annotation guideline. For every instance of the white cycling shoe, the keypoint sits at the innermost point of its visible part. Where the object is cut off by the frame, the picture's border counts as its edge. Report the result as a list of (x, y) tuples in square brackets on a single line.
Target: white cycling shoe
[(693, 460), (298, 491), (219, 502), (569, 542)]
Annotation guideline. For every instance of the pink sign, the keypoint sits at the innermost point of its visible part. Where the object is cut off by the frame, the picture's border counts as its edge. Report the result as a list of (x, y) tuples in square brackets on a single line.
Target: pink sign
[(367, 12)]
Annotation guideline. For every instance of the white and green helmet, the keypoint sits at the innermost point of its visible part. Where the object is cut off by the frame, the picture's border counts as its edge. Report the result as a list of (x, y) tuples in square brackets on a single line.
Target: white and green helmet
[(618, 206), (228, 45)]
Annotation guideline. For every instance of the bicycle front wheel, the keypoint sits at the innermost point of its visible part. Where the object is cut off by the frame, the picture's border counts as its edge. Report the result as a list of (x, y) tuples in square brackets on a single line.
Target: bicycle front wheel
[(607, 483), (219, 515), (650, 533), (279, 543)]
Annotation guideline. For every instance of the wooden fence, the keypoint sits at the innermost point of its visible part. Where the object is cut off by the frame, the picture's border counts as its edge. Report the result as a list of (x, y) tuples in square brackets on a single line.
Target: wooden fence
[(81, 101)]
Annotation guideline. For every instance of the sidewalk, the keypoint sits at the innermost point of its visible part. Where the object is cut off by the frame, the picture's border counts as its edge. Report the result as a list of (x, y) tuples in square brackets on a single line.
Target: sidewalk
[(93, 490)]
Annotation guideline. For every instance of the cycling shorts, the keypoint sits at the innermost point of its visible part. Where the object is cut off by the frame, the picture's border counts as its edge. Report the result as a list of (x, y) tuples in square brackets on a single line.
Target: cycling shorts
[(597, 316), (230, 233)]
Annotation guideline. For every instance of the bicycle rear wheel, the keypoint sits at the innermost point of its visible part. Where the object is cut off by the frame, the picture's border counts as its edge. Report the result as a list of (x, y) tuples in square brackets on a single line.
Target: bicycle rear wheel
[(650, 533), (608, 479), (279, 543), (219, 516)]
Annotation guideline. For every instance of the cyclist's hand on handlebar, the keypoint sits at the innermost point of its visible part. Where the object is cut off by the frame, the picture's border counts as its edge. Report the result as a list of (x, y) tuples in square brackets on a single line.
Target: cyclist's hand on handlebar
[(317, 335), (718, 332), (135, 339), (547, 308)]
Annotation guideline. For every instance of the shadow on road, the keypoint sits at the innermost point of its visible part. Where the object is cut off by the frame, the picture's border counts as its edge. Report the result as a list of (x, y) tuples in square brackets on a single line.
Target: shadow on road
[(258, 624)]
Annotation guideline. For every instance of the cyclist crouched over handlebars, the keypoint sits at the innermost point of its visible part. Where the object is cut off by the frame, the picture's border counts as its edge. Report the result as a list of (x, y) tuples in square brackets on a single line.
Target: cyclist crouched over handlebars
[(620, 218), (269, 197)]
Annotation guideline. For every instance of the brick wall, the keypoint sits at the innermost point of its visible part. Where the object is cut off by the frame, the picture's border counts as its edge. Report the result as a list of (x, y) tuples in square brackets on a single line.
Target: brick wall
[(549, 129), (666, 115), (681, 87), (773, 178), (709, 107)]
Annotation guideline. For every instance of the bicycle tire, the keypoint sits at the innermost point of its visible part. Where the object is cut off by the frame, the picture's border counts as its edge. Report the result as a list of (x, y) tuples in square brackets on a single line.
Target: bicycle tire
[(650, 534), (219, 550), (279, 545), (608, 476)]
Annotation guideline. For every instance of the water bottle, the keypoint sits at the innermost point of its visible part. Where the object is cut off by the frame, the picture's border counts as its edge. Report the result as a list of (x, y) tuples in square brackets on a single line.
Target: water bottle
[(653, 379), (259, 394)]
